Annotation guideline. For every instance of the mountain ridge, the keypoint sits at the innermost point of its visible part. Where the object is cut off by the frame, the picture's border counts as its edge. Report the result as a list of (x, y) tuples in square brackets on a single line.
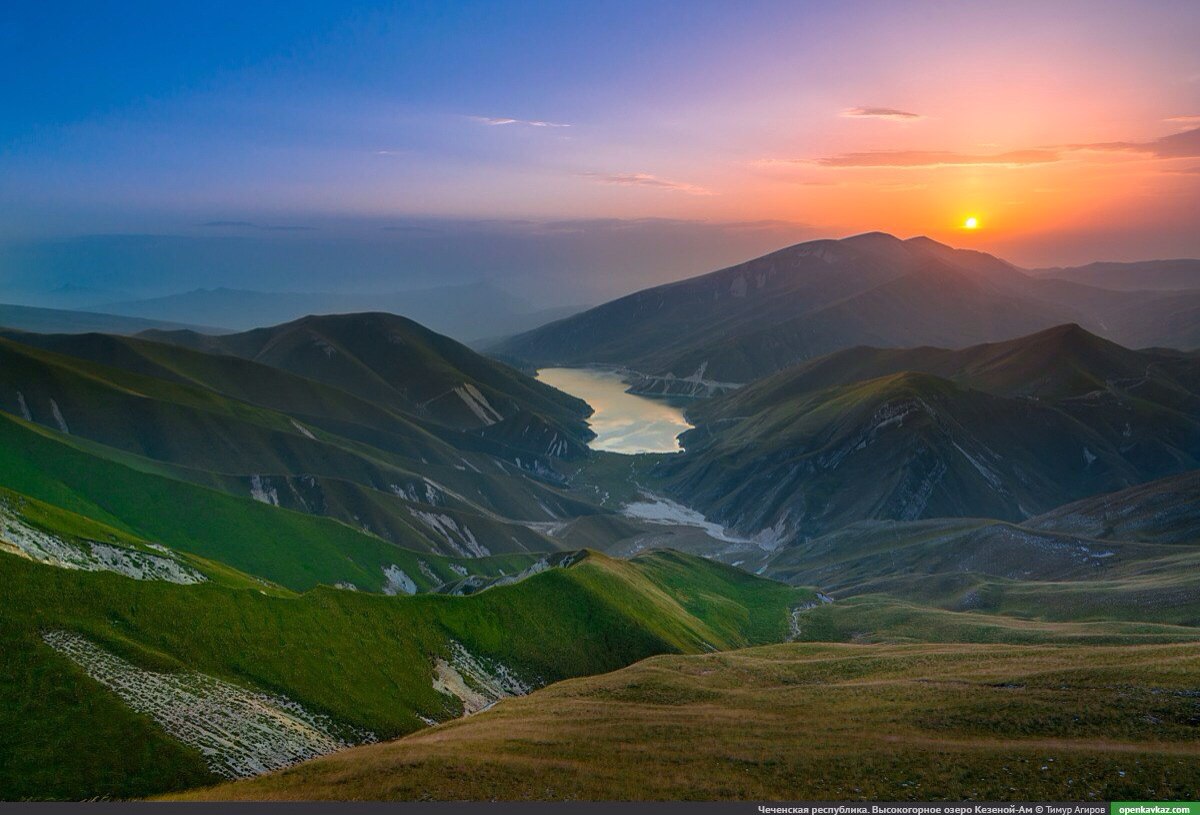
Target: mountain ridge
[(743, 322), (1001, 430), (470, 312)]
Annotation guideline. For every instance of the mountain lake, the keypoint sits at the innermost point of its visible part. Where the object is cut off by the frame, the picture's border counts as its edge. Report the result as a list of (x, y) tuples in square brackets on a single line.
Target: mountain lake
[(623, 422)]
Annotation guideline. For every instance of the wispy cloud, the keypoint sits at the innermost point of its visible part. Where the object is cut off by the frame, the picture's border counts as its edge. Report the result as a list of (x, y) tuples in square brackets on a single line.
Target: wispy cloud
[(504, 120), (257, 227), (1192, 119), (631, 224), (881, 113), (647, 180), (411, 229), (1185, 144), (922, 158)]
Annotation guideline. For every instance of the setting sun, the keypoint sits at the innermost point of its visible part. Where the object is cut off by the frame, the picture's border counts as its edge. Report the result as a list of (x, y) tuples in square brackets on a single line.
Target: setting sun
[(971, 223)]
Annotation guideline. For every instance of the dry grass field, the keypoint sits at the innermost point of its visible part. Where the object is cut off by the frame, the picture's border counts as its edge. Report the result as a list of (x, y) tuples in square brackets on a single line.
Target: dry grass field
[(807, 721)]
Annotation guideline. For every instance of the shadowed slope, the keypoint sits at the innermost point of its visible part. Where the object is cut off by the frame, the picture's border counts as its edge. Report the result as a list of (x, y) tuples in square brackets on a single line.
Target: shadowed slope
[(741, 323), (1003, 430), (397, 363)]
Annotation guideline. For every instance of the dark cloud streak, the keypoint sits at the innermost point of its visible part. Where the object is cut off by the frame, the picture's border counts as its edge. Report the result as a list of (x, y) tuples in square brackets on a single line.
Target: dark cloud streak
[(881, 113)]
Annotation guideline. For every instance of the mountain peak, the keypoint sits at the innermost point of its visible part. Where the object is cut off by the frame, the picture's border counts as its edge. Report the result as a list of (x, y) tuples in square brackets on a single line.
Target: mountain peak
[(876, 240), (1068, 334), (926, 242)]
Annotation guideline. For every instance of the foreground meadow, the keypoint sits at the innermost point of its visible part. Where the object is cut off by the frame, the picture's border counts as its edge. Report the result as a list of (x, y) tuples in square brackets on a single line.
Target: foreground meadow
[(807, 721)]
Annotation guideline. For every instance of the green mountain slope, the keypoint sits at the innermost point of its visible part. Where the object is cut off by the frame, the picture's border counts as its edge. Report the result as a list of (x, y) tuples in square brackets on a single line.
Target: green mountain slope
[(296, 550), (1162, 511), (253, 430), (398, 364), (997, 568), (1006, 430), (346, 662), (904, 447), (1056, 363)]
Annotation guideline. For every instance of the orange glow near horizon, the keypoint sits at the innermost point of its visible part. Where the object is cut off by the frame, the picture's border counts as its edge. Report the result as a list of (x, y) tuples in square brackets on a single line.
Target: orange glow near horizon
[(1080, 192)]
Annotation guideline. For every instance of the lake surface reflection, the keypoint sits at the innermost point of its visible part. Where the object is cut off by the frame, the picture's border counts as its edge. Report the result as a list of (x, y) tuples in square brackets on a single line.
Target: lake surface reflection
[(623, 422)]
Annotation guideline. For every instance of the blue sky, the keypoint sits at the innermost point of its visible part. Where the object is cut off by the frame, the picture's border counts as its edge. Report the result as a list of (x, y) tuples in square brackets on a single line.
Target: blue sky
[(745, 126)]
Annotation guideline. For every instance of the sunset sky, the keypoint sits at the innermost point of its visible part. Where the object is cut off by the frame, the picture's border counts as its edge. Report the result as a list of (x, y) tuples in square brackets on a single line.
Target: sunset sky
[(699, 131)]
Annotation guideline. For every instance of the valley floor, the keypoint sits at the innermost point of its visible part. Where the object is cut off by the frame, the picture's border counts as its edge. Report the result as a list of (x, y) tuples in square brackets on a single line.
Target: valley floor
[(807, 721)]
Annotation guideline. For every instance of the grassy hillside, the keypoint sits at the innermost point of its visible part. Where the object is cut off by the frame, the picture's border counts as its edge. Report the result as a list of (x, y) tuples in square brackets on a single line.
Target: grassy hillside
[(252, 430), (806, 722), (877, 618), (939, 561), (367, 661), (1006, 430), (1162, 511), (296, 550), (1063, 361), (397, 363), (902, 447)]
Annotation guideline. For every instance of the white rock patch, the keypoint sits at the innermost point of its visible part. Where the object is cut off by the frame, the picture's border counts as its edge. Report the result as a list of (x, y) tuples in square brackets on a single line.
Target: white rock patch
[(238, 731), (428, 571), (24, 407), (658, 510), (20, 538), (261, 490), (478, 403), (991, 477), (58, 417), (304, 431), (397, 581), (459, 537), (476, 682)]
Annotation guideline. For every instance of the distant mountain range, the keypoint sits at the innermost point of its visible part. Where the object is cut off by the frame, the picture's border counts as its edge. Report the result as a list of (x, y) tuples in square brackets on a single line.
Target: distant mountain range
[(60, 321), (701, 335), (1146, 275), (469, 313)]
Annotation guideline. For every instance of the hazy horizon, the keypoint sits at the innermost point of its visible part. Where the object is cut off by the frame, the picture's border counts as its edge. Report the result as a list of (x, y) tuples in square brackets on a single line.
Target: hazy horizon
[(572, 154)]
